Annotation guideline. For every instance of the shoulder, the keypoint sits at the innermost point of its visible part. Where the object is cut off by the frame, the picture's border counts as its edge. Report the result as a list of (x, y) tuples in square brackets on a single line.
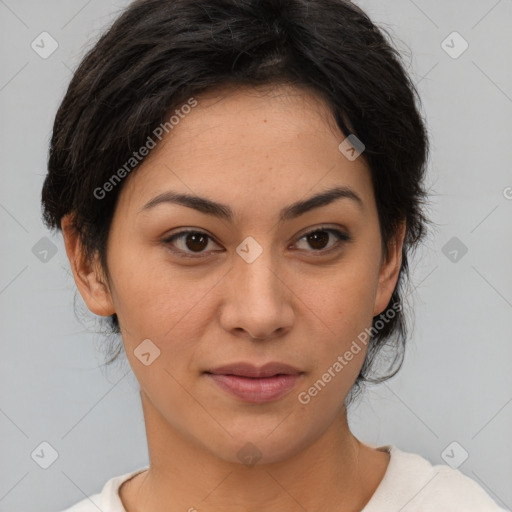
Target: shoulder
[(108, 499), (413, 484)]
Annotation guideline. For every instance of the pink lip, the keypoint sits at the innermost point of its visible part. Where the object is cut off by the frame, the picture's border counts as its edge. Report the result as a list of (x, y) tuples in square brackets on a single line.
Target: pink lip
[(251, 384), (242, 369)]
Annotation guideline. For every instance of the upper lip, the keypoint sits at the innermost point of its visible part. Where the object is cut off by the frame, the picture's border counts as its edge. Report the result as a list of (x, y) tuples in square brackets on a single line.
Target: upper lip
[(243, 369)]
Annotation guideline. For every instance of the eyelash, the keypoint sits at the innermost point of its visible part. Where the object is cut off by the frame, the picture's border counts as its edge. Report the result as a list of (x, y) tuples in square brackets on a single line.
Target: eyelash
[(342, 237)]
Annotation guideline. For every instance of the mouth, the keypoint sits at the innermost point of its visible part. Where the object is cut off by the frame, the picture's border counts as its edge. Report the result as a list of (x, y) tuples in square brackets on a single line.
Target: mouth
[(256, 384)]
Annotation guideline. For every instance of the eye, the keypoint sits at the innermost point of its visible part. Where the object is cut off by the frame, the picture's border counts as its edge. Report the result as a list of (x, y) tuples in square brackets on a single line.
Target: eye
[(192, 243), (190, 240), (319, 238)]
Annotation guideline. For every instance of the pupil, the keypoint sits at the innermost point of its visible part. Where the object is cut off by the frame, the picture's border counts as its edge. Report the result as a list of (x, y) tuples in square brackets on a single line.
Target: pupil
[(318, 236), (198, 241)]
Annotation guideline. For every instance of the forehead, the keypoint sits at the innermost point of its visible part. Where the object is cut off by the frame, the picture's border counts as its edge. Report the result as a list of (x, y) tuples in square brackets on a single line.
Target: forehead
[(247, 143)]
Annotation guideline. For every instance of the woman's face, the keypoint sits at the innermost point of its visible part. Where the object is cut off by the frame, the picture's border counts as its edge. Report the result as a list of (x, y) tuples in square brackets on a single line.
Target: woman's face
[(251, 286)]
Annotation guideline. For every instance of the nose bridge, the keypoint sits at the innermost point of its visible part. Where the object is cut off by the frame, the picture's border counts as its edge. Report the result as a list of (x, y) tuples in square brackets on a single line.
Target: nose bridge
[(255, 271), (258, 302)]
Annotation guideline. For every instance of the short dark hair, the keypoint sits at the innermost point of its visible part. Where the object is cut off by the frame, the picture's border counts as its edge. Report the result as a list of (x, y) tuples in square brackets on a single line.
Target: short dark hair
[(159, 53)]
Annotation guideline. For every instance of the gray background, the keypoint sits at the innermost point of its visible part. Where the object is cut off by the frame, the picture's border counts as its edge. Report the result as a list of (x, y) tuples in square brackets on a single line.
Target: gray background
[(456, 383)]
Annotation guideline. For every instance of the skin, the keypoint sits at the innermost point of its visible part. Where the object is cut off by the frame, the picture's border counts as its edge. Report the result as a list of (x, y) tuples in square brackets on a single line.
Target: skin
[(255, 153)]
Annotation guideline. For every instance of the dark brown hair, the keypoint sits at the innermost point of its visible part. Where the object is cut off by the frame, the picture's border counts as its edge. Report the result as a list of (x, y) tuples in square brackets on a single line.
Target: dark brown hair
[(160, 53)]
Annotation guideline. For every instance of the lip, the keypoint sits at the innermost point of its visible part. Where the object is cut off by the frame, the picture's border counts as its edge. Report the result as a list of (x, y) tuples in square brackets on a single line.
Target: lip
[(243, 369), (256, 384)]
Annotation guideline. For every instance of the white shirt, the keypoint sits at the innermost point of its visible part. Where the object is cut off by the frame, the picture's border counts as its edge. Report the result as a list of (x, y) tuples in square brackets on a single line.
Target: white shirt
[(410, 484)]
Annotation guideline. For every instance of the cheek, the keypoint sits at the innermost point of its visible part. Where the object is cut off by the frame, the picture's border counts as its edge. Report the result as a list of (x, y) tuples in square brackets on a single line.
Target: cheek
[(344, 297), (341, 306), (158, 301)]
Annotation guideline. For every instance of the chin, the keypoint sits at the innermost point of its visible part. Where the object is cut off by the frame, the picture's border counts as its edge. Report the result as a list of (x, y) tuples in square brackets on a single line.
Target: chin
[(269, 444)]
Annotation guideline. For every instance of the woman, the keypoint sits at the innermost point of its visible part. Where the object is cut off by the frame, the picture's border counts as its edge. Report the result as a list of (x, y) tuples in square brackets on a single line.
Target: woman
[(239, 185)]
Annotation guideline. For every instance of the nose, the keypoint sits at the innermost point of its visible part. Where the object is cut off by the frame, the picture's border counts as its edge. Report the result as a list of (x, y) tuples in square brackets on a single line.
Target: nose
[(258, 302)]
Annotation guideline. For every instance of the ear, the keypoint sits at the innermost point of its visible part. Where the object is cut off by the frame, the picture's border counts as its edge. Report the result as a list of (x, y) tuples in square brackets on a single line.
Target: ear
[(87, 274), (390, 268)]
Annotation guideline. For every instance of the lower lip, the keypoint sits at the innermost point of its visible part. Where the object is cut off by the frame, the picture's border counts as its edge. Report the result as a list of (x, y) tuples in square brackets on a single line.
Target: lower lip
[(256, 390)]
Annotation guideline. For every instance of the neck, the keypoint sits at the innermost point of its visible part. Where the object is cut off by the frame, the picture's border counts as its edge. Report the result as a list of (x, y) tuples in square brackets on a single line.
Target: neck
[(334, 472)]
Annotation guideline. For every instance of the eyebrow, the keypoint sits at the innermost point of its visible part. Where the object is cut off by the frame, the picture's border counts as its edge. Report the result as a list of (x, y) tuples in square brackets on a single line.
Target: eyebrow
[(223, 211)]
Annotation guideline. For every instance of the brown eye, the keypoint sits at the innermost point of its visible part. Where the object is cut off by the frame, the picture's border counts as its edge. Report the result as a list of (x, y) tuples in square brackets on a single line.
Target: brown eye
[(190, 242), (196, 241), (319, 239)]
